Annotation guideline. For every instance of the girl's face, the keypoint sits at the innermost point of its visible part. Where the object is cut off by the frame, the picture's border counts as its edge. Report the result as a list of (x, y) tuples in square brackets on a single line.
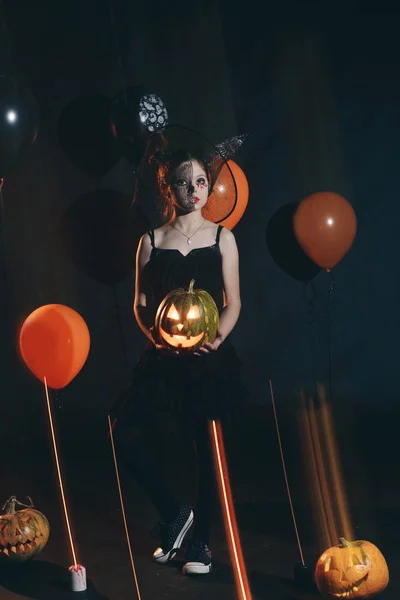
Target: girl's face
[(190, 186)]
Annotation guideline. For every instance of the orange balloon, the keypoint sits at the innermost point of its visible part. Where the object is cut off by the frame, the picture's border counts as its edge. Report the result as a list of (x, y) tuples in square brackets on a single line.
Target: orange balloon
[(54, 342), (231, 182), (325, 226)]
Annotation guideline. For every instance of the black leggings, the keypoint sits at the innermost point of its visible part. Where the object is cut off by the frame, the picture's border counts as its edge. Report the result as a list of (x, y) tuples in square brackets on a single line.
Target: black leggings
[(137, 450)]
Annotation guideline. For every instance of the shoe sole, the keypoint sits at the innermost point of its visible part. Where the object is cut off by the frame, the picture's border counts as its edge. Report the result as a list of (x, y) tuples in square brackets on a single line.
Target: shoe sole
[(196, 569), (178, 542)]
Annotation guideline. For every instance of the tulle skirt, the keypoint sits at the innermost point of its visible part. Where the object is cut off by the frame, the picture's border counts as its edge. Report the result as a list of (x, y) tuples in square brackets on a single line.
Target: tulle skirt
[(169, 388)]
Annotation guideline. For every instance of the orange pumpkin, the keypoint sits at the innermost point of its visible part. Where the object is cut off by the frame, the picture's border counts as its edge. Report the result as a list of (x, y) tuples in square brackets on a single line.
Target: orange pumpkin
[(351, 570), (23, 533)]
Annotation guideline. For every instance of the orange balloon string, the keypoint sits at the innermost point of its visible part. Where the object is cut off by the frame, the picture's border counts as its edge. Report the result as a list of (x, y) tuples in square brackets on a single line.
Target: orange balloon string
[(60, 479)]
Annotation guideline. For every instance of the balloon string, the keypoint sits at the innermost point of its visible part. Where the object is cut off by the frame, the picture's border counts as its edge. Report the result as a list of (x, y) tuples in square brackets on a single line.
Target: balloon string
[(296, 529), (60, 479), (312, 330), (110, 425), (311, 304)]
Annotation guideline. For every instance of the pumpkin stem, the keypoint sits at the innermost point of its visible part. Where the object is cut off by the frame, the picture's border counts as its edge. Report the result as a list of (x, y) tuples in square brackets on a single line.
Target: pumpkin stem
[(344, 543), (191, 285), (9, 506)]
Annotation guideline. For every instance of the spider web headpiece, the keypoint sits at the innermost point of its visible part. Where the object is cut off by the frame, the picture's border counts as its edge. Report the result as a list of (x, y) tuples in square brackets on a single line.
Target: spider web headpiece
[(164, 148)]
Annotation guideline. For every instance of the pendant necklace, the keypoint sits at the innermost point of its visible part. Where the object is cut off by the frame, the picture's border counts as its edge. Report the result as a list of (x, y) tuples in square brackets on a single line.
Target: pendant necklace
[(188, 238)]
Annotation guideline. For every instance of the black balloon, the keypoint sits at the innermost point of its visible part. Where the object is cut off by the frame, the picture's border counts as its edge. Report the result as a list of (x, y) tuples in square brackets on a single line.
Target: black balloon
[(85, 135), (134, 116), (19, 123), (284, 248), (101, 231)]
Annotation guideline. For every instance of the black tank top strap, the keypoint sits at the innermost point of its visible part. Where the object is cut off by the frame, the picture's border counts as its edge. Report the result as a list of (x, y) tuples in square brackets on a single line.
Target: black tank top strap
[(220, 228), (151, 236)]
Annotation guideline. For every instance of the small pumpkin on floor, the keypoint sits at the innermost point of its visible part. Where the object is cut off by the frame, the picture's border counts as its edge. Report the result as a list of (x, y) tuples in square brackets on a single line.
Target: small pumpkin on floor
[(23, 532), (187, 319), (351, 570)]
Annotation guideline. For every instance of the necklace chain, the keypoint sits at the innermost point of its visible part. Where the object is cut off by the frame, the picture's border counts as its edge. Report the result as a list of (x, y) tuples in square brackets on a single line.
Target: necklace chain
[(188, 238)]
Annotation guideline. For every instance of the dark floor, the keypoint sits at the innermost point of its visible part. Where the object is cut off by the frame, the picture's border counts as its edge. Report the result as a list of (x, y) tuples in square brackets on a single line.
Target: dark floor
[(263, 515)]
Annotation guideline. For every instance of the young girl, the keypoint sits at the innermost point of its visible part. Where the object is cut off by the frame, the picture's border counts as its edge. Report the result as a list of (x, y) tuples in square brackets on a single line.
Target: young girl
[(196, 387)]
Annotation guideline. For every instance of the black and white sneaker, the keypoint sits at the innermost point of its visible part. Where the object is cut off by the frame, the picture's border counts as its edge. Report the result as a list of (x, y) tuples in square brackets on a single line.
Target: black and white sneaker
[(173, 534), (198, 559)]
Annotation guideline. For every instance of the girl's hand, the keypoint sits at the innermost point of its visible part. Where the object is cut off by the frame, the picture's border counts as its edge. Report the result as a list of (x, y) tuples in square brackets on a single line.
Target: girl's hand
[(211, 346)]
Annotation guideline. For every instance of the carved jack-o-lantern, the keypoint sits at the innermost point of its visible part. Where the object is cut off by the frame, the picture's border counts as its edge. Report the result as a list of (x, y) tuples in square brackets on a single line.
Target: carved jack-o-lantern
[(351, 570), (23, 533), (187, 319)]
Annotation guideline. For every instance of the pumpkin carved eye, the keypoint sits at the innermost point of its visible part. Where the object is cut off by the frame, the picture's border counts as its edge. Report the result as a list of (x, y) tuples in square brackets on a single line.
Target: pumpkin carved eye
[(173, 313), (193, 313), (354, 560), (187, 319), (332, 564), (23, 533), (327, 566), (351, 570)]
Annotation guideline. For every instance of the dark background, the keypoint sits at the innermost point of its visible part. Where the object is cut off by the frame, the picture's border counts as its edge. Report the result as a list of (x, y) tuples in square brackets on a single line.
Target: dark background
[(316, 87), (317, 90)]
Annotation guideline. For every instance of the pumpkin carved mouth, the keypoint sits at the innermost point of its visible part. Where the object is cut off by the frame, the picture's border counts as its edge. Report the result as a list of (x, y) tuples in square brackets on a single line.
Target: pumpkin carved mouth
[(181, 340), (355, 569), (187, 319), (23, 532), (351, 589), (19, 547)]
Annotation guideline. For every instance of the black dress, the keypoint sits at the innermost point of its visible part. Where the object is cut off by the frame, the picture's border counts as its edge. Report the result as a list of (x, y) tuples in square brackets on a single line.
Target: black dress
[(188, 386)]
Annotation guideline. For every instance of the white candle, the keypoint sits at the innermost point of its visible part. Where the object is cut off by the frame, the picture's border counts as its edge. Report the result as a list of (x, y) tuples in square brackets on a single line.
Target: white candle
[(78, 578)]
